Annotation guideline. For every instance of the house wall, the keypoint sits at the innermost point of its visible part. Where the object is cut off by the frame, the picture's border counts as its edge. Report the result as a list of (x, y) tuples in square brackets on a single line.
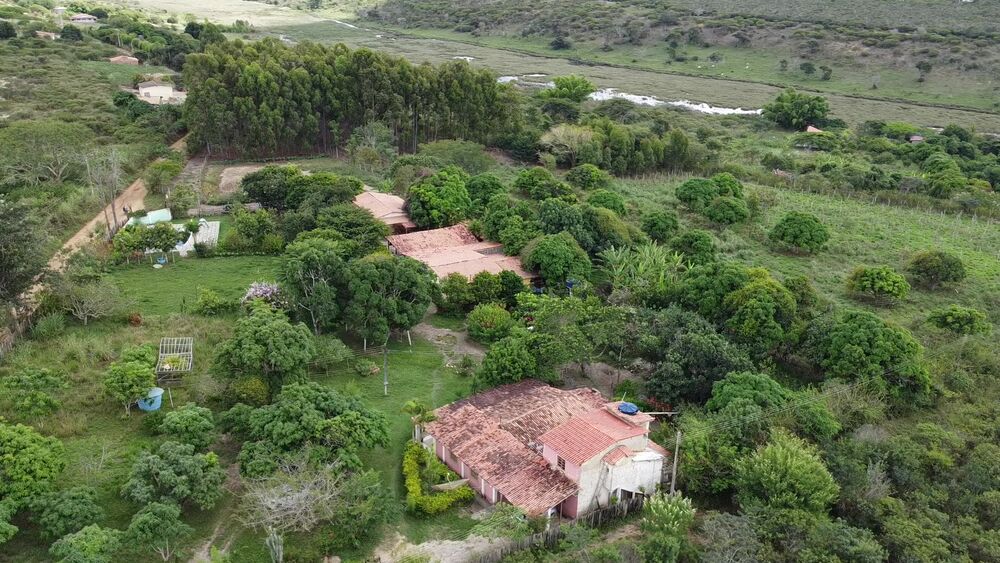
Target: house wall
[(640, 473), (157, 92), (572, 470), (488, 492)]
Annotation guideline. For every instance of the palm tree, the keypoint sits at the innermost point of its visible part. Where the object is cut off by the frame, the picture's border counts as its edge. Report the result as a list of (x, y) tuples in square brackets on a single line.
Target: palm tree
[(420, 414)]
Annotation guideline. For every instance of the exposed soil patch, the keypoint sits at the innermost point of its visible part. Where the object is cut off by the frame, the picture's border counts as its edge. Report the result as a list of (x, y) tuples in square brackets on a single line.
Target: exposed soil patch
[(454, 344), (229, 182)]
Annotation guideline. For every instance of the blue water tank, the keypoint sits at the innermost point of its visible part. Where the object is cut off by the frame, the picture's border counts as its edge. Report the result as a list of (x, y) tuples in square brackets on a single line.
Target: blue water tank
[(628, 408), (152, 401)]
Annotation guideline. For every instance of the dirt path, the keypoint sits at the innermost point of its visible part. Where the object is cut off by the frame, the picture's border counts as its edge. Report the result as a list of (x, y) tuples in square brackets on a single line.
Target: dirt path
[(132, 198)]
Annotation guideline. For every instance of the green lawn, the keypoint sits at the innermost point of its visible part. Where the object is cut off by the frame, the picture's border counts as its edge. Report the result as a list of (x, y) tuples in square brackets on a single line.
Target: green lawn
[(175, 287)]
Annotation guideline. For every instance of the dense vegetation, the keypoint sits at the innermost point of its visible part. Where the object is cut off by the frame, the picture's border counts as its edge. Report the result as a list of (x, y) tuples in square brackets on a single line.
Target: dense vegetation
[(831, 358)]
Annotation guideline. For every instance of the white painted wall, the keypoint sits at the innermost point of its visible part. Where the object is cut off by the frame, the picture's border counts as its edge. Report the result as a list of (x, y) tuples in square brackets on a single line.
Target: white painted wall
[(162, 91)]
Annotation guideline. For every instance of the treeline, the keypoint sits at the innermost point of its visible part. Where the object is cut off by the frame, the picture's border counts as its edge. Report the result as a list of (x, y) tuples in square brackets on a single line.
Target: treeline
[(266, 98)]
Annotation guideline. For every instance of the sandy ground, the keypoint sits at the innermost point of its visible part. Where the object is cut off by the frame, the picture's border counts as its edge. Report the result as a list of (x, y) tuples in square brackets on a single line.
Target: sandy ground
[(231, 177), (453, 344), (396, 548)]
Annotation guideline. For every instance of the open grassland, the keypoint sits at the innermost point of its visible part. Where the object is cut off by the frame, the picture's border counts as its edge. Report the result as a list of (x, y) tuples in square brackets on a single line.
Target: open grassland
[(933, 14), (647, 75), (862, 234), (853, 75)]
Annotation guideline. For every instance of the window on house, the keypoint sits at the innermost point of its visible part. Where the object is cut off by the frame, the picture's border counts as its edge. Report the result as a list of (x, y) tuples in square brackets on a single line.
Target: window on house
[(560, 463)]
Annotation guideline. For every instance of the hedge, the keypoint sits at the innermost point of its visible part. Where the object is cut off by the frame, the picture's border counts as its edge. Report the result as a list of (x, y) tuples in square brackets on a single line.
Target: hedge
[(414, 458)]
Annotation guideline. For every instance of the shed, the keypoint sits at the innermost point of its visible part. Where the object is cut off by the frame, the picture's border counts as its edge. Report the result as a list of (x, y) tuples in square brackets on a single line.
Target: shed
[(85, 19), (388, 208), (124, 60)]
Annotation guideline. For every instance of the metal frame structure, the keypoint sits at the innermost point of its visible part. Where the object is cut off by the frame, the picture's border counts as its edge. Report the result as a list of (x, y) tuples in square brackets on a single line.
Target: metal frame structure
[(176, 358)]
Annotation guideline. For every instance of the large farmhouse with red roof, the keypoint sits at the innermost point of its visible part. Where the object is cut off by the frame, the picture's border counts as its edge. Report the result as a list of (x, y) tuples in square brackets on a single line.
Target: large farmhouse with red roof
[(548, 451)]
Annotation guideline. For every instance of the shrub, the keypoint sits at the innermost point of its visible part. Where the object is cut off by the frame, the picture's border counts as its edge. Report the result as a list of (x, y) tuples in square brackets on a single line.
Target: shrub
[(538, 183), (608, 200), (727, 210), (793, 110), (418, 497), (660, 225), (696, 245), (366, 368), (588, 177), (190, 424), (727, 184), (211, 304), (697, 193), (960, 320), (472, 157), (49, 326), (440, 200), (880, 282), (251, 391), (489, 322), (800, 231), (932, 268)]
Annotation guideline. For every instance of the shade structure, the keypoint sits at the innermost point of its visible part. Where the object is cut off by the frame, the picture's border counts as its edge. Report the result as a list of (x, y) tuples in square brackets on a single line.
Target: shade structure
[(176, 358)]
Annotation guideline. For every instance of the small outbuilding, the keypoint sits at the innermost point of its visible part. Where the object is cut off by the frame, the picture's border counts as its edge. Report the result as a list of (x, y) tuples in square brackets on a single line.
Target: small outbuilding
[(456, 250), (156, 92), (83, 19), (388, 208), (124, 60), (811, 129)]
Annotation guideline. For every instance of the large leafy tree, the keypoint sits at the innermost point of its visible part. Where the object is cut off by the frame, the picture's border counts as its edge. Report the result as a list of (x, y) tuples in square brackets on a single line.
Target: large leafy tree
[(129, 381), (858, 345), (558, 259), (795, 110), (29, 464), (440, 200), (270, 185), (265, 343), (190, 424), (175, 473), (800, 231), (387, 293), (92, 544), (508, 361), (704, 288), (43, 150), (158, 527), (356, 224), (313, 273), (572, 87), (64, 512), (689, 355), (786, 474), (305, 414), (21, 254)]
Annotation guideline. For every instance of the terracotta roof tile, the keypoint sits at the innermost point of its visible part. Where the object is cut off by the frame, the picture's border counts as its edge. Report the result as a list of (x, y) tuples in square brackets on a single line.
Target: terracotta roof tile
[(495, 433), (616, 455), (388, 208)]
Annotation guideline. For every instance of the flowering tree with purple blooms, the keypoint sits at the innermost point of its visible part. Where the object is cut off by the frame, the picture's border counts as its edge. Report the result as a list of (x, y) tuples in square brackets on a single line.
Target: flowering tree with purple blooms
[(267, 292)]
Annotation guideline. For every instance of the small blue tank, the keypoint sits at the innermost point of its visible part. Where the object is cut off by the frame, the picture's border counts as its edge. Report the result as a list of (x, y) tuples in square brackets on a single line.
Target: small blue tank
[(152, 401)]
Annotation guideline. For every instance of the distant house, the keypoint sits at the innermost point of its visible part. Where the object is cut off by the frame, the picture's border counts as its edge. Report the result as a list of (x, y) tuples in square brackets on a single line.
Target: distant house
[(455, 249), (548, 451), (388, 208), (47, 35), (160, 93), (83, 19), (811, 129), (914, 139), (124, 60)]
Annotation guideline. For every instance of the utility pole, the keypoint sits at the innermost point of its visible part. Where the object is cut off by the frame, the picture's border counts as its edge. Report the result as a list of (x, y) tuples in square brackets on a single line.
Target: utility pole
[(385, 371), (673, 472)]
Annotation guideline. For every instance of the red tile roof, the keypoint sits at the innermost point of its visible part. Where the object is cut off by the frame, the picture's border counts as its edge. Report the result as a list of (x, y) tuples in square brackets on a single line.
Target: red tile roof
[(495, 433), (616, 455), (456, 250), (388, 208), (589, 434)]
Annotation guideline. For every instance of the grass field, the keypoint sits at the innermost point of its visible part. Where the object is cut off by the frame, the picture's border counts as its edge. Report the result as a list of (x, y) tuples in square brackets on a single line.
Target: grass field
[(932, 14), (175, 287), (862, 234), (852, 76)]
